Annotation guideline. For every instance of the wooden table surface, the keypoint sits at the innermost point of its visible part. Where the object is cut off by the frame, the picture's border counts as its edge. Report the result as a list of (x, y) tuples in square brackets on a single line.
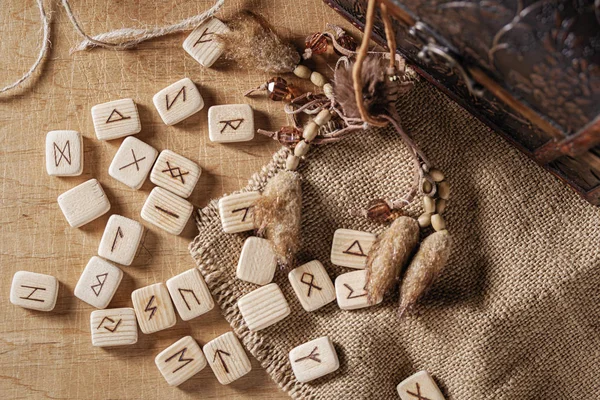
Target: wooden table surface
[(50, 355)]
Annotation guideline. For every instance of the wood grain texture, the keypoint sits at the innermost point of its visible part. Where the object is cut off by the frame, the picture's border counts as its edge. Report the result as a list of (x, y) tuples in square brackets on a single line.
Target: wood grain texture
[(50, 355)]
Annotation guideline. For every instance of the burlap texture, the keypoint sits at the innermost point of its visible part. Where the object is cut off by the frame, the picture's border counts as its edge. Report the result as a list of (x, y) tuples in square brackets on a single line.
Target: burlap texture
[(516, 313)]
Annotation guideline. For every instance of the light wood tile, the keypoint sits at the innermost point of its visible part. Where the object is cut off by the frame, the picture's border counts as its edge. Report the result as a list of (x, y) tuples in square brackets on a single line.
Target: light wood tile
[(202, 45), (350, 290), (98, 282), (314, 359), (190, 294), (64, 153), (178, 101), (180, 361), (257, 262), (312, 285), (121, 239), (231, 123), (133, 162), (84, 203), (175, 173), (263, 307), (153, 308), (227, 358), (419, 386), (34, 291), (236, 212), (113, 327), (350, 248), (116, 119), (167, 211)]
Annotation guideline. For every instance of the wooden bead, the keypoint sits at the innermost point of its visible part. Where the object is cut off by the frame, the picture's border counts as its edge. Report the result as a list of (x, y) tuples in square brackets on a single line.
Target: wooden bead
[(301, 149), (318, 79), (291, 164), (322, 118), (302, 71), (328, 90), (427, 187), (440, 206), (428, 204), (444, 190), (311, 130), (424, 220), (436, 175), (438, 223)]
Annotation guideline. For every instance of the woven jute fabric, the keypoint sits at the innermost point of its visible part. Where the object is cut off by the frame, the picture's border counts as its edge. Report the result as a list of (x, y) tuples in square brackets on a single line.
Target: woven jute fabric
[(516, 313)]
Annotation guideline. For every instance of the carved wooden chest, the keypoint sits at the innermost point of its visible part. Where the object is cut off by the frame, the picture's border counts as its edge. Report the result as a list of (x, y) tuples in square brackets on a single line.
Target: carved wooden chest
[(529, 69)]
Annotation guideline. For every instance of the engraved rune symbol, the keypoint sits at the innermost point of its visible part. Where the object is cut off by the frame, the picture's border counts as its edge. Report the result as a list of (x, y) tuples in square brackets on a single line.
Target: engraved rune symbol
[(356, 252), (63, 153), (169, 105), (232, 123), (181, 353), (244, 209), (219, 353), (173, 170), (314, 355), (120, 117), (35, 289), (118, 235), (201, 39), (172, 214), (309, 283), (135, 161), (183, 297), (148, 308), (97, 288), (112, 321), (350, 296), (417, 395)]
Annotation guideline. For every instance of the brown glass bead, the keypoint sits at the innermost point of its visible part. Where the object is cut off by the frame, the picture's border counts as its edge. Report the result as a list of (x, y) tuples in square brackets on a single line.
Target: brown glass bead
[(277, 88), (293, 92), (378, 210), (317, 43), (289, 136), (347, 42)]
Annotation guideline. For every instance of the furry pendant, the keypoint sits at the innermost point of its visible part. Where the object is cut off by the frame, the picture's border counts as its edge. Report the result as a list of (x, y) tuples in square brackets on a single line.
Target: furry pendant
[(277, 215), (388, 255), (424, 268)]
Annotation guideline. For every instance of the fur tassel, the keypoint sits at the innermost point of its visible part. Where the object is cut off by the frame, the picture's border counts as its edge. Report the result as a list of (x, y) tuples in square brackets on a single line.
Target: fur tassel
[(388, 255), (253, 45), (424, 268), (277, 215)]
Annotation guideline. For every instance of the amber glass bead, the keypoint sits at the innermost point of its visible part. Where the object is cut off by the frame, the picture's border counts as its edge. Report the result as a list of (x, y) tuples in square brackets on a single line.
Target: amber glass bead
[(317, 43), (289, 136), (379, 210), (346, 42), (277, 88), (293, 92)]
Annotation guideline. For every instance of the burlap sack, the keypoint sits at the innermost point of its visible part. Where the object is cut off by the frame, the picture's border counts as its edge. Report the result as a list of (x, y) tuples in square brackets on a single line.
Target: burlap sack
[(515, 315)]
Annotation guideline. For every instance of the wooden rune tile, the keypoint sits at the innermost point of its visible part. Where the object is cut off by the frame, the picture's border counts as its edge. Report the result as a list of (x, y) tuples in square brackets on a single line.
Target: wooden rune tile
[(190, 294), (153, 308), (121, 239), (312, 285), (230, 123), (34, 291), (314, 359), (113, 327), (84, 203), (167, 211), (116, 119), (419, 386), (98, 282), (133, 162), (64, 153), (202, 45), (180, 361), (227, 358), (350, 248), (178, 101)]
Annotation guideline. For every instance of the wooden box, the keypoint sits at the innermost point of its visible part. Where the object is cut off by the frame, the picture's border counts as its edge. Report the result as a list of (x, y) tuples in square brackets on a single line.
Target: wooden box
[(528, 69)]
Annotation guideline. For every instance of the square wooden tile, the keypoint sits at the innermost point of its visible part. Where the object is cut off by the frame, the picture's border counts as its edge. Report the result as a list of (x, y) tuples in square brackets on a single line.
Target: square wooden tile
[(350, 248), (84, 203), (64, 153), (230, 123), (121, 239), (113, 327), (116, 119), (236, 211), (133, 162), (263, 307), (314, 359), (34, 291), (153, 308), (227, 358), (167, 211), (202, 45), (312, 285), (190, 294), (257, 262), (178, 101), (419, 386), (98, 282), (175, 173), (180, 361), (350, 290)]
